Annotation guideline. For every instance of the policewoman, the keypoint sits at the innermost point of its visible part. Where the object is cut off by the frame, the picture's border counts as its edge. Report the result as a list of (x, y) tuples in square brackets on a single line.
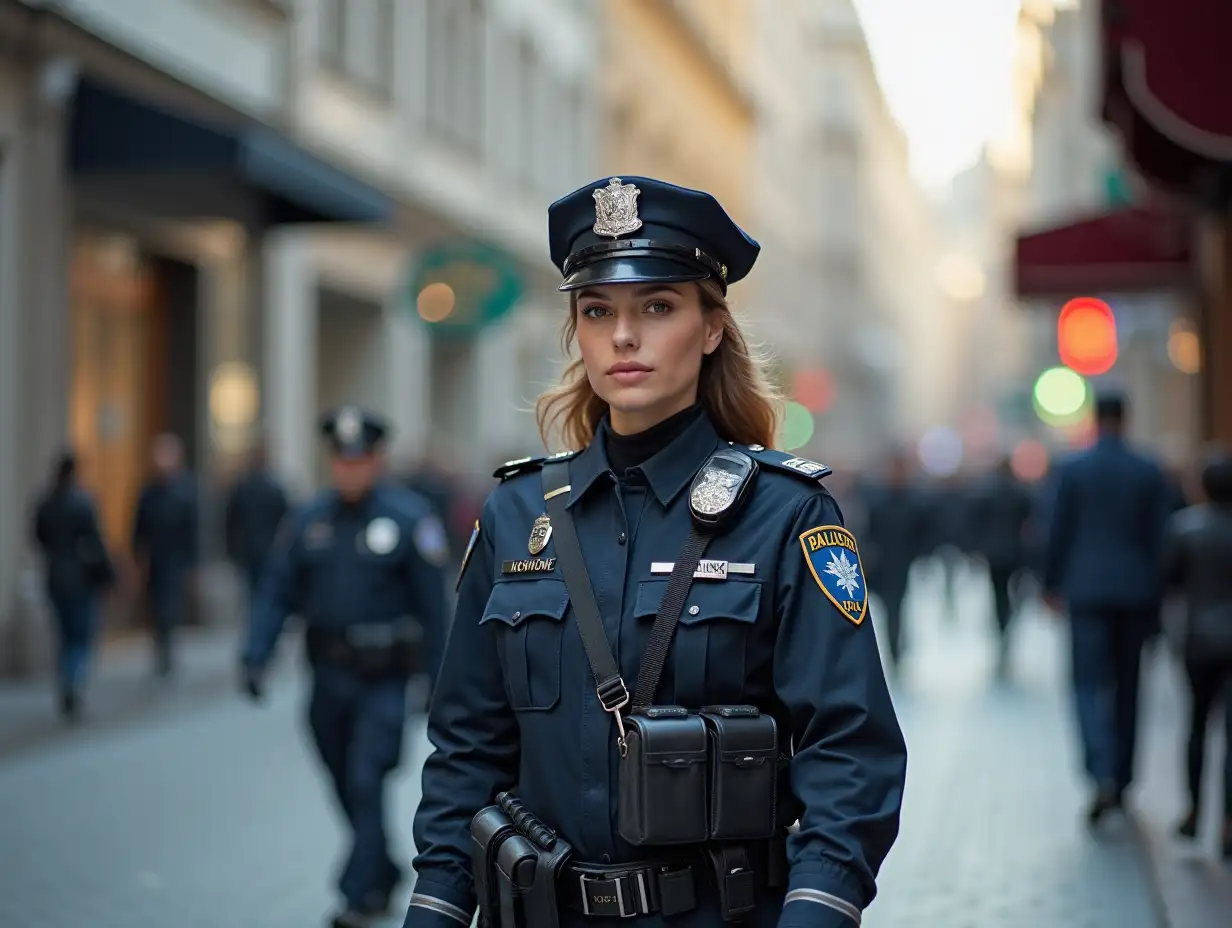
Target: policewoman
[(661, 699), (361, 564)]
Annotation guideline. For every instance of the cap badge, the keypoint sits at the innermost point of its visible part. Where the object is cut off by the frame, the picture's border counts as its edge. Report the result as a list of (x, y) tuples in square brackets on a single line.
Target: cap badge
[(349, 425), (616, 209)]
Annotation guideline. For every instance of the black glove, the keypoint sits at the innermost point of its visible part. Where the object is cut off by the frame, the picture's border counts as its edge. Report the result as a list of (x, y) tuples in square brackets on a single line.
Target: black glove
[(251, 684)]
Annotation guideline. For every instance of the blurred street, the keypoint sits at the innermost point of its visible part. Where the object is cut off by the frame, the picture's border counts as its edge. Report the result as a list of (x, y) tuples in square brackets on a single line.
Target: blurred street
[(209, 812)]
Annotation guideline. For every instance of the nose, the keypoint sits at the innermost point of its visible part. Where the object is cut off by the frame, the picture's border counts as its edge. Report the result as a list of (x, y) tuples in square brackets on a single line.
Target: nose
[(624, 333)]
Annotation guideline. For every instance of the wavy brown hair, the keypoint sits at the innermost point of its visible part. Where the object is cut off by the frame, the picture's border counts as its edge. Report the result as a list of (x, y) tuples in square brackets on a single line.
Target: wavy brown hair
[(732, 388)]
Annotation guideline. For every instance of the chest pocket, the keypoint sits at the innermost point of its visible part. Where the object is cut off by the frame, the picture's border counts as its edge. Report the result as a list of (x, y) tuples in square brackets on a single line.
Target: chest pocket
[(527, 617), (711, 641)]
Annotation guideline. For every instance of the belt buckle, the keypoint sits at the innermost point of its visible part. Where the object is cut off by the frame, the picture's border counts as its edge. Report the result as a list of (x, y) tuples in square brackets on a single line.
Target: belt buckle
[(586, 882)]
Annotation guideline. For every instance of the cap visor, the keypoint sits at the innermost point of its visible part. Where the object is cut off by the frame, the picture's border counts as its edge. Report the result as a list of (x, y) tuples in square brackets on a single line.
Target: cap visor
[(352, 452), (632, 270)]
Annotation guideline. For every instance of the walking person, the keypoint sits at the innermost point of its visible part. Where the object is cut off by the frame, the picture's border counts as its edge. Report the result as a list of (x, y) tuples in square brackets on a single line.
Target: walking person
[(674, 549), (78, 571), (1103, 568), (1198, 564)]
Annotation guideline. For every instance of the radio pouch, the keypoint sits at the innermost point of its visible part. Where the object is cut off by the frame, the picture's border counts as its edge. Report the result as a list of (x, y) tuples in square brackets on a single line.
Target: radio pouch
[(516, 864), (662, 778), (744, 773), (489, 829)]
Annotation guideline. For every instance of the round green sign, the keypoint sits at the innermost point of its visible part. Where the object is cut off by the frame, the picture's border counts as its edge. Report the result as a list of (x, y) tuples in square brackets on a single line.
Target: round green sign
[(459, 288)]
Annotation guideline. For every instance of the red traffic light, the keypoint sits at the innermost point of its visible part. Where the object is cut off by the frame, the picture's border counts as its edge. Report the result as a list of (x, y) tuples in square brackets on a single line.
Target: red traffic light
[(1087, 337)]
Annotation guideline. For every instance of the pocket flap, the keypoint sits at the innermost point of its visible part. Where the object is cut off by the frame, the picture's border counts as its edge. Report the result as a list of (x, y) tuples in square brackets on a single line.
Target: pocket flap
[(708, 600), (513, 601)]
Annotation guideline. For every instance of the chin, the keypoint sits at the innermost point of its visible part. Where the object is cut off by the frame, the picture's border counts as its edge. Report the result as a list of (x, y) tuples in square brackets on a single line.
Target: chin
[(632, 399)]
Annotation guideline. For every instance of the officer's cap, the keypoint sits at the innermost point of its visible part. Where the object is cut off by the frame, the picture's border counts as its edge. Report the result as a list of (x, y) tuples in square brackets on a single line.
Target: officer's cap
[(353, 432), (623, 230)]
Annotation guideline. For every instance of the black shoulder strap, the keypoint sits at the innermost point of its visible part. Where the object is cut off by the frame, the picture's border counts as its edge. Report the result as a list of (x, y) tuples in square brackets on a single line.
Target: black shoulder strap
[(669, 614), (610, 686)]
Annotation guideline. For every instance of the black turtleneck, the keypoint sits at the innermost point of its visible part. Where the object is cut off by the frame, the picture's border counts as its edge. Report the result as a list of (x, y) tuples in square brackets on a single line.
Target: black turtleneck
[(625, 451)]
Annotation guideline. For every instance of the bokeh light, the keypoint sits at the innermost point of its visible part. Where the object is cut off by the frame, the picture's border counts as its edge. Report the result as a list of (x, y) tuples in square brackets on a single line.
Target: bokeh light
[(1061, 396), (1029, 460), (813, 389), (1184, 347), (940, 451), (435, 302), (1087, 336), (797, 428)]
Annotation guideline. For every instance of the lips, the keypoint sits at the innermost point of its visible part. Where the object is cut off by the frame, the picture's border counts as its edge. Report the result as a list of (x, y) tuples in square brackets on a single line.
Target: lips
[(628, 367)]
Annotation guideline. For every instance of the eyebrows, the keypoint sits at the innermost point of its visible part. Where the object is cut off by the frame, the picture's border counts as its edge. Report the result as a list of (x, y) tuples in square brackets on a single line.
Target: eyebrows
[(599, 293)]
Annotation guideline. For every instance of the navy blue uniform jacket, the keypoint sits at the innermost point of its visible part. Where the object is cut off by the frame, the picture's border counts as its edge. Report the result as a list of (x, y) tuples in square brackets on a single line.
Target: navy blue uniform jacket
[(1109, 512), (515, 705), (338, 565)]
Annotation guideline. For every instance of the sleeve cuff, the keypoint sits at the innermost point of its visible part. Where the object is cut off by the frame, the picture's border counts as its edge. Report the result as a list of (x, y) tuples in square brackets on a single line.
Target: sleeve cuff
[(439, 905), (820, 898)]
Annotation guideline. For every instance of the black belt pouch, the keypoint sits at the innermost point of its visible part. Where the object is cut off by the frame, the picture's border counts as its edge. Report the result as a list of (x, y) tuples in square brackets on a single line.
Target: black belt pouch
[(663, 778), (743, 773), (489, 829)]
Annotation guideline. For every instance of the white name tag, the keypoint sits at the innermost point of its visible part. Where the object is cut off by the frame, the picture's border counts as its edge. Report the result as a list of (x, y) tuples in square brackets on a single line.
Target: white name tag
[(706, 570)]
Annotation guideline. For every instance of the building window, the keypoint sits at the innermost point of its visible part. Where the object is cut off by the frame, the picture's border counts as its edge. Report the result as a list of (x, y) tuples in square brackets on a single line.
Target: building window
[(358, 40), (455, 58)]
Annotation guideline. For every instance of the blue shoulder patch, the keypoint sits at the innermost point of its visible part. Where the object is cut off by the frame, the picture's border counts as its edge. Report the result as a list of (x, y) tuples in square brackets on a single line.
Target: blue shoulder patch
[(784, 461), (834, 561), (527, 465)]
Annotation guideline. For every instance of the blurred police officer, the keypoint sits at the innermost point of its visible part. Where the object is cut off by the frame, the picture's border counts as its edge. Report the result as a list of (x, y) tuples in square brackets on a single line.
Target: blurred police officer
[(361, 565), (1103, 566)]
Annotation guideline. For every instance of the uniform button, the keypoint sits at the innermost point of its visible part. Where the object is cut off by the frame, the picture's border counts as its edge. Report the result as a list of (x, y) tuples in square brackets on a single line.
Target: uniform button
[(694, 610), (622, 538), (517, 615)]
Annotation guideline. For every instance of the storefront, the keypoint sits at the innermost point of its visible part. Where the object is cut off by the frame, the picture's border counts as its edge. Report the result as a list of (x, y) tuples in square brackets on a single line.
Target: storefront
[(1163, 69)]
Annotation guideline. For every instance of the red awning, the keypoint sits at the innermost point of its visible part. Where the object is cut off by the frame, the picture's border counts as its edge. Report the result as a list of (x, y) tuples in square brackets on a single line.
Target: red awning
[(1130, 250), (1166, 69)]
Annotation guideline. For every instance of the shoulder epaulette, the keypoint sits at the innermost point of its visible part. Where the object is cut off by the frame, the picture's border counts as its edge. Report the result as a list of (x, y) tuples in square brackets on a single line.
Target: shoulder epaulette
[(784, 461), (527, 465)]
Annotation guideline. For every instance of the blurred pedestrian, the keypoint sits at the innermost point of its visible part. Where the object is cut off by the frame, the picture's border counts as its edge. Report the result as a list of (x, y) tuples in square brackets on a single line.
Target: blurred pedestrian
[(895, 529), (1109, 510), (361, 564), (165, 544), (1001, 508), (78, 570), (256, 506), (1198, 563)]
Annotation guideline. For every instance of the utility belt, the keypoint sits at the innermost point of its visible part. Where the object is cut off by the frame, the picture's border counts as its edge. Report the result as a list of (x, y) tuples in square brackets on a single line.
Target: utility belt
[(525, 873), (373, 651)]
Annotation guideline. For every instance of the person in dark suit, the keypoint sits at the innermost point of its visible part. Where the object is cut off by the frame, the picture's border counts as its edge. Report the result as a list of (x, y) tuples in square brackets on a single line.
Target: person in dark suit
[(256, 506), (1110, 509)]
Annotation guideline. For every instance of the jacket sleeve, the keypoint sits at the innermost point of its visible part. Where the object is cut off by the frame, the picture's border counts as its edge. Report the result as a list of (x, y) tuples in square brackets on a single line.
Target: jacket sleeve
[(277, 595), (1057, 534), (426, 577), (476, 750), (850, 759)]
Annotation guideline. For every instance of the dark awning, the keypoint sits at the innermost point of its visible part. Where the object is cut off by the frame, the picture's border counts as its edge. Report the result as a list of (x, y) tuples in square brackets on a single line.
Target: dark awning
[(1165, 67), (1125, 251), (116, 135)]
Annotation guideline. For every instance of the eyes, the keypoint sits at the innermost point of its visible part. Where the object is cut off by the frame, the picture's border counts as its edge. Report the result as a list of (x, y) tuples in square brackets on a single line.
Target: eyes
[(598, 310)]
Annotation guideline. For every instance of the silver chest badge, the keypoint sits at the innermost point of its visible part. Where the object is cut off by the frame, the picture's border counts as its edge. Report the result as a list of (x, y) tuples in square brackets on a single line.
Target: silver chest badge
[(540, 533), (616, 209), (715, 492), (381, 536)]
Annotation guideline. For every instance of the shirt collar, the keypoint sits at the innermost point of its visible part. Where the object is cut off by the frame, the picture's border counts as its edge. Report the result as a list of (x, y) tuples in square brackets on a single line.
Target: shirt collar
[(668, 472)]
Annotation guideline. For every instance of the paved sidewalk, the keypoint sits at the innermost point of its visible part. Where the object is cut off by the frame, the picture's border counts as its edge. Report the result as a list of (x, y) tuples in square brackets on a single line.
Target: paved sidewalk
[(122, 688), (1195, 886), (993, 833)]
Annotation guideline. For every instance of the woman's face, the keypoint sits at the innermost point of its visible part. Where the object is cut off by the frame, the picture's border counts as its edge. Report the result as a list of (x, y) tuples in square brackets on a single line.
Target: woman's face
[(642, 345)]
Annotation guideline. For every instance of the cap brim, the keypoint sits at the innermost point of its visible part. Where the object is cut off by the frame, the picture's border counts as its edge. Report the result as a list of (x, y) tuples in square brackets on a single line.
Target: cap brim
[(350, 452), (632, 270)]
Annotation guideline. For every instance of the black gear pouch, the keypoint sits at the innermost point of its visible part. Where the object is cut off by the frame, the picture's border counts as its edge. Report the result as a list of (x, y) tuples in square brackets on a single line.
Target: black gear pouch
[(743, 773), (662, 778)]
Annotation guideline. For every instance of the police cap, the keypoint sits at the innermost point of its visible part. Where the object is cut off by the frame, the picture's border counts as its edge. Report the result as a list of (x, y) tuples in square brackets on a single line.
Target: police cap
[(353, 432), (622, 230)]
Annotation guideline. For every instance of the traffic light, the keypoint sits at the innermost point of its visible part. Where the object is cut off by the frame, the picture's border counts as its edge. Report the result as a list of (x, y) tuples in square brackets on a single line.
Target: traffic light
[(1087, 336)]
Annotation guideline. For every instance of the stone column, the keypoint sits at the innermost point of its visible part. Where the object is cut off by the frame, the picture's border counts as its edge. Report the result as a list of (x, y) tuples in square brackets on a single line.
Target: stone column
[(290, 356)]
